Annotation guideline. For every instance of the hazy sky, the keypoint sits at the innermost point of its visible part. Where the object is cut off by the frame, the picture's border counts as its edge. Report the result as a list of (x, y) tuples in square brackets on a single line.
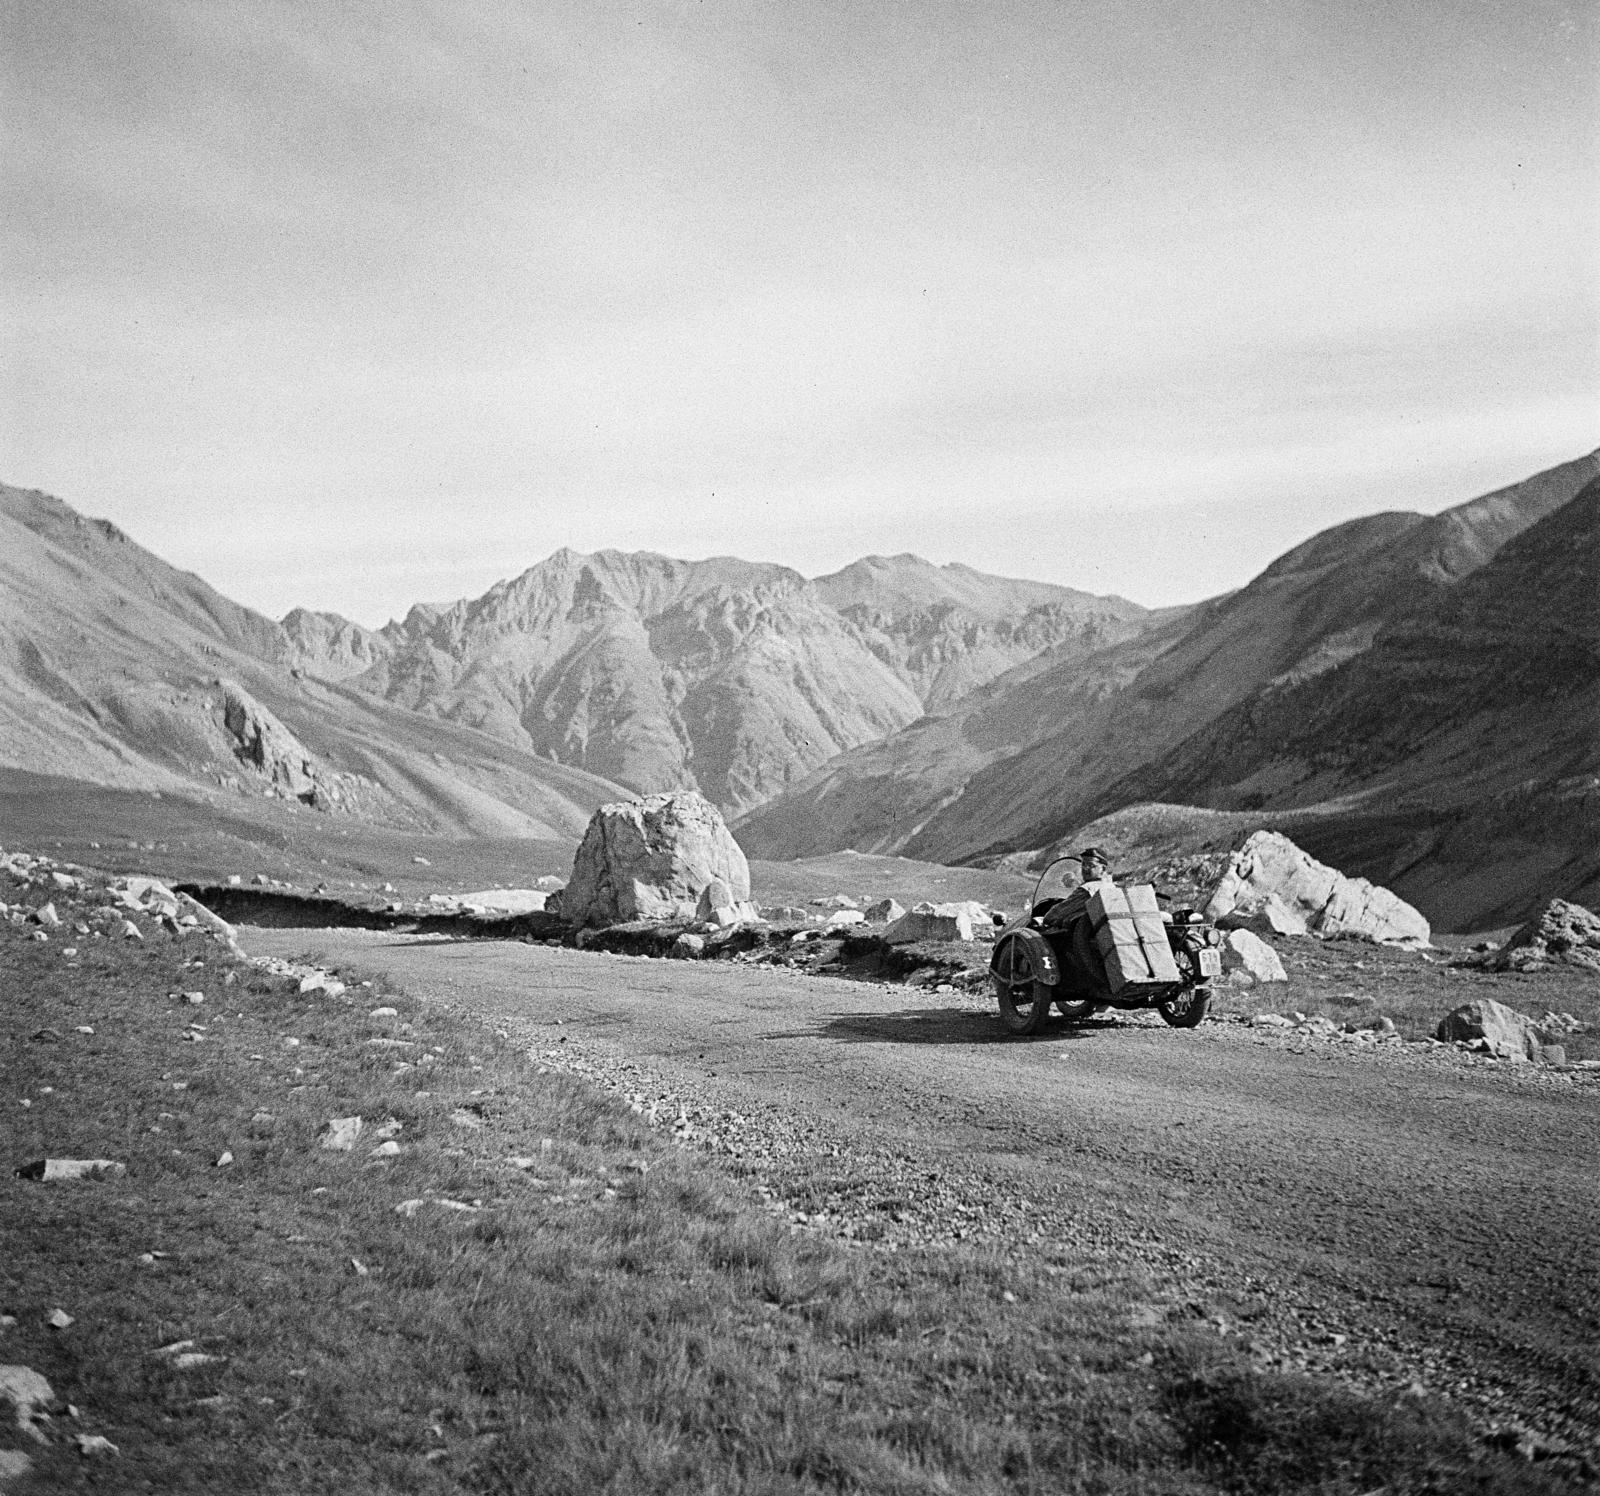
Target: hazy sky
[(351, 305)]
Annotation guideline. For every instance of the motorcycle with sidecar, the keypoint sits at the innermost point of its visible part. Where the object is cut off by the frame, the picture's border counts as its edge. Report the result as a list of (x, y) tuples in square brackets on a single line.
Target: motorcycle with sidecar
[(1038, 962)]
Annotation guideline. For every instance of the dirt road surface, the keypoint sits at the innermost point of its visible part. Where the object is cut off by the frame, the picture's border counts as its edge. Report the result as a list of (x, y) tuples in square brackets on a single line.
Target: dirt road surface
[(1388, 1216)]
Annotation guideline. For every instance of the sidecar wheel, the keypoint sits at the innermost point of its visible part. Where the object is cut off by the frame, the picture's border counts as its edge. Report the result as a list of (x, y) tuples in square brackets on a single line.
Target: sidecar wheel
[(1024, 999), (1188, 1009)]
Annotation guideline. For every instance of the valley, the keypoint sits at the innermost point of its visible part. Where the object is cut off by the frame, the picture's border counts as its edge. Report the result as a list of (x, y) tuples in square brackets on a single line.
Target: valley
[(1414, 698)]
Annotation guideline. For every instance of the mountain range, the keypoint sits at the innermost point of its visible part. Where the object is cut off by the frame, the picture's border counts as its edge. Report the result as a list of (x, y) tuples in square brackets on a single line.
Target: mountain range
[(1428, 679), (1420, 692)]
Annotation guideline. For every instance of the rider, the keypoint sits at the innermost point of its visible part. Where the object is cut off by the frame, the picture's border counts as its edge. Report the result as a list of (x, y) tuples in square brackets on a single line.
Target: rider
[(1095, 865)]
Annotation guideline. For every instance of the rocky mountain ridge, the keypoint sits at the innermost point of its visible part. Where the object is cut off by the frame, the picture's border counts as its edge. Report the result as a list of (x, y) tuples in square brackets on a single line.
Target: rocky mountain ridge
[(732, 677)]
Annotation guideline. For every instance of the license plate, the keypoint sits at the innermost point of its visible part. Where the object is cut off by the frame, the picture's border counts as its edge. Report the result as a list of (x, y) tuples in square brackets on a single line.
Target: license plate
[(1210, 962)]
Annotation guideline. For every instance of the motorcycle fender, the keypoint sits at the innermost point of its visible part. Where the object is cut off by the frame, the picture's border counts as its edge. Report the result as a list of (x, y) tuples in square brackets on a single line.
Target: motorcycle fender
[(1044, 959)]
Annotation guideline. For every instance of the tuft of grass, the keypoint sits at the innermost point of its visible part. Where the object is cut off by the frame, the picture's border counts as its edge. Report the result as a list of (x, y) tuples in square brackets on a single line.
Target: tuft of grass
[(606, 1313)]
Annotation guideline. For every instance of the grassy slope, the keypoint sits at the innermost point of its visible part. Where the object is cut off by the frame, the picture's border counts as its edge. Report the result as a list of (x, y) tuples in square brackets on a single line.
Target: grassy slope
[(617, 1316)]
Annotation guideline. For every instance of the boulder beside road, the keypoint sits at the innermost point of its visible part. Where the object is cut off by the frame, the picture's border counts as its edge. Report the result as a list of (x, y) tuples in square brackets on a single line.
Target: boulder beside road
[(1269, 864), (1247, 960), (1504, 1033), (651, 859)]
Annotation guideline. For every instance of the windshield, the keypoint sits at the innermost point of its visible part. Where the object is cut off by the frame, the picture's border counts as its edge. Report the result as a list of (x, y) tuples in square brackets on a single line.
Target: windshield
[(1058, 880)]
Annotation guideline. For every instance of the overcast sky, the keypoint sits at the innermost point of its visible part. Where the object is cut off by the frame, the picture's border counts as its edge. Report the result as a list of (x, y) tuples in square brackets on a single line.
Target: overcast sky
[(351, 305)]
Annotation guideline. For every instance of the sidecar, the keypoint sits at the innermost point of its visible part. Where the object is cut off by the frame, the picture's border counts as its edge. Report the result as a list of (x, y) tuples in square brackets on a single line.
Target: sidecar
[(1123, 952)]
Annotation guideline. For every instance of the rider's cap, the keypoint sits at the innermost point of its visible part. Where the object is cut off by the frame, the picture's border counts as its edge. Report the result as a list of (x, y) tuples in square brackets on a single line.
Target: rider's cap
[(1094, 854)]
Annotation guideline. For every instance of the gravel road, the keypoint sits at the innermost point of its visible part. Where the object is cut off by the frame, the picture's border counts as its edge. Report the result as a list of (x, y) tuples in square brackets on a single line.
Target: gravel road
[(1386, 1214)]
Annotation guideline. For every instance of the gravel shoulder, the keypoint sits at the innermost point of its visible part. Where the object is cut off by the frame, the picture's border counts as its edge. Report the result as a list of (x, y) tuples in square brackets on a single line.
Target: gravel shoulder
[(1385, 1214)]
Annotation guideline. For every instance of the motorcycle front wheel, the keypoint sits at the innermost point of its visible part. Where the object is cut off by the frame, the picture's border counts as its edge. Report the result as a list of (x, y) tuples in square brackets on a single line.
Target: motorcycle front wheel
[(1188, 1009), (1024, 999)]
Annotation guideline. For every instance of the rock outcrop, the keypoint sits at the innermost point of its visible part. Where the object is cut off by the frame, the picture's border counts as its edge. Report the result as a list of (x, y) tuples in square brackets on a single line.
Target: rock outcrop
[(264, 743), (1331, 904), (652, 859), (1563, 935), (1500, 1031)]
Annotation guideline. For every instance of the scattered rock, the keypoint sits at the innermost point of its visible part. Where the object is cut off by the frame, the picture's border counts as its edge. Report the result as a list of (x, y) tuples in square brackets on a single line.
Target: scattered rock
[(224, 1159), (131, 931), (715, 896), (27, 1392), (885, 911), (1271, 1020), (205, 918), (49, 1169), (189, 1360), (59, 1319), (1497, 1029), (14, 1464), (650, 859), (688, 947), (94, 1445), (842, 917), (384, 1013), (1329, 902), (1248, 960), (387, 1149), (47, 916), (340, 1135)]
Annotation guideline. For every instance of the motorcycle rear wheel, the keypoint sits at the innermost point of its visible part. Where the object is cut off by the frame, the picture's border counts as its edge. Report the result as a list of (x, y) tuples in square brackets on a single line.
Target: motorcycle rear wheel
[(1024, 999)]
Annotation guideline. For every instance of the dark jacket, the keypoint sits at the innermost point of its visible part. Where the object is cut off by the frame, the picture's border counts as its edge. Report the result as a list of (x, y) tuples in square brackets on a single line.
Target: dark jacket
[(1074, 906)]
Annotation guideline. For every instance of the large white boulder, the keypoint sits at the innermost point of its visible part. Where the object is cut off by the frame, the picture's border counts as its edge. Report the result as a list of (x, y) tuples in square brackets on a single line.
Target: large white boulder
[(1330, 903), (651, 859)]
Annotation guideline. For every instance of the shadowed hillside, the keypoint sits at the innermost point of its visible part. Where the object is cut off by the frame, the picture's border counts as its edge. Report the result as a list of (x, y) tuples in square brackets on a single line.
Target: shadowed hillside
[(1172, 715)]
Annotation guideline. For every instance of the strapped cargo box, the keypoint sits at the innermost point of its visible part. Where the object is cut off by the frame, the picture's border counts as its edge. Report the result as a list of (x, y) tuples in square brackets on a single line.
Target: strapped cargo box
[(1130, 935)]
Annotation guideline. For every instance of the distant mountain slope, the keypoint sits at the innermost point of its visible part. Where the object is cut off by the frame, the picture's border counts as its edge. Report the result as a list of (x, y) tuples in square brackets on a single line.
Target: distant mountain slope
[(730, 676), (112, 666), (878, 797), (949, 629), (1316, 607), (1482, 706)]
